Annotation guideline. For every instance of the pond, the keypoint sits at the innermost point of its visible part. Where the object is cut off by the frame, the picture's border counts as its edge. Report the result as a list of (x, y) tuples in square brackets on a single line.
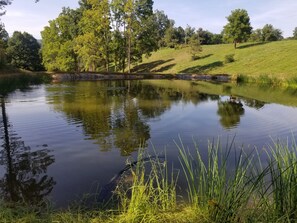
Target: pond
[(63, 140)]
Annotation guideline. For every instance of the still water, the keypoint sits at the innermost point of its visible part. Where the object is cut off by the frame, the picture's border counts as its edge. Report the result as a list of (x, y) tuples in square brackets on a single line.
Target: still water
[(61, 141)]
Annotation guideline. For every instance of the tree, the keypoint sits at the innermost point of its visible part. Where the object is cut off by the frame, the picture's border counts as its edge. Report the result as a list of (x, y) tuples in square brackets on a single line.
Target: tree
[(189, 32), (238, 28), (163, 23), (58, 41), (269, 33), (3, 45), (295, 33), (256, 35), (93, 45), (139, 28), (24, 51), (4, 3), (217, 39), (195, 46), (170, 37)]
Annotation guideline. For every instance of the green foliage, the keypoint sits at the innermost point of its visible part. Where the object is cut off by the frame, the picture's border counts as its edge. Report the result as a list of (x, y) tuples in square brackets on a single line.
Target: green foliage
[(256, 36), (58, 42), (24, 51), (195, 46), (93, 45), (3, 45), (295, 33), (238, 28), (229, 58), (269, 33), (189, 32), (174, 36), (102, 34)]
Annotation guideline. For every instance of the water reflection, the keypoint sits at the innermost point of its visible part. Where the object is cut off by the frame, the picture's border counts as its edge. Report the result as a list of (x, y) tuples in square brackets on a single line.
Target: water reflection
[(230, 112), (25, 178), (116, 113)]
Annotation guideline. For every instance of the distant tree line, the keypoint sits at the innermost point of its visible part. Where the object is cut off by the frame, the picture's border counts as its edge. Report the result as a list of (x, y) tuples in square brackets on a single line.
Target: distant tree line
[(111, 35)]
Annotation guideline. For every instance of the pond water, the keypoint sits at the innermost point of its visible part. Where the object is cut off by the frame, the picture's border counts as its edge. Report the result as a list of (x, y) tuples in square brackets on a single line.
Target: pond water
[(63, 140)]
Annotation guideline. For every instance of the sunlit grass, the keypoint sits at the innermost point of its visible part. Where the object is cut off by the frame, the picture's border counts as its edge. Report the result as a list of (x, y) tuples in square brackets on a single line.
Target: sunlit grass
[(272, 59)]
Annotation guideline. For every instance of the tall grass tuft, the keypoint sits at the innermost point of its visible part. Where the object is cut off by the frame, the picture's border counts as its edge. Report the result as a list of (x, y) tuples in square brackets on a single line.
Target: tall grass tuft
[(283, 172), (211, 184), (152, 192)]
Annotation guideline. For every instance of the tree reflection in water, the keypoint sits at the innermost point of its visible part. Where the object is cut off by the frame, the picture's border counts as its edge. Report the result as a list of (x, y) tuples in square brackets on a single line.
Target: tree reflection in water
[(230, 112), (25, 178)]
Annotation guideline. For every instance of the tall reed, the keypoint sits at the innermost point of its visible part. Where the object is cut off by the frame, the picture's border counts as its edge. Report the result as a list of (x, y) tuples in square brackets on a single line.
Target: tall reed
[(152, 192), (283, 186), (223, 189)]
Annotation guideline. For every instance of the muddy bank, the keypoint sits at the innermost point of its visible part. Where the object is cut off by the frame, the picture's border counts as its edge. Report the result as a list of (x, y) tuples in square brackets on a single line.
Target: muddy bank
[(125, 76)]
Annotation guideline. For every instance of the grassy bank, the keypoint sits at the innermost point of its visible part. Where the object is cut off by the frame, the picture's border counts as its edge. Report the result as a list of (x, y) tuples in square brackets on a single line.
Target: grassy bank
[(273, 60), (226, 186)]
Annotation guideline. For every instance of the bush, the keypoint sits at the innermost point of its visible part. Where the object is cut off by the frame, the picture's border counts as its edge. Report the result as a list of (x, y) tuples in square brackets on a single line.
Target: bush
[(229, 58)]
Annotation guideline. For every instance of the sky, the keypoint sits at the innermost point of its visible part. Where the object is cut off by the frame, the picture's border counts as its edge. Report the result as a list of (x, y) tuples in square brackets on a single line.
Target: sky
[(25, 15)]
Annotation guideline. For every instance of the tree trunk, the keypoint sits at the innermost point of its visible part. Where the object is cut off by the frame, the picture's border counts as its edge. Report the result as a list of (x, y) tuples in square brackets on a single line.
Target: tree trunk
[(235, 44), (129, 51)]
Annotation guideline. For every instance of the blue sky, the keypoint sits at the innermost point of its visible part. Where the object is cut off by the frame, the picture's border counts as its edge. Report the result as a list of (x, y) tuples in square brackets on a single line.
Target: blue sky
[(25, 15)]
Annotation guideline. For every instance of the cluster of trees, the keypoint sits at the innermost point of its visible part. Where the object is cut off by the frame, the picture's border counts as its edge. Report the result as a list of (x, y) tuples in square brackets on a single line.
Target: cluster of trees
[(175, 36), (101, 35), (112, 35), (21, 50), (267, 33)]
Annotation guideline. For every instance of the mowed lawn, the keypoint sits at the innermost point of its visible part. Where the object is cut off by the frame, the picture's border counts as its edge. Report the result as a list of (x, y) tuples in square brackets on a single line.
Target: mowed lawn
[(274, 59)]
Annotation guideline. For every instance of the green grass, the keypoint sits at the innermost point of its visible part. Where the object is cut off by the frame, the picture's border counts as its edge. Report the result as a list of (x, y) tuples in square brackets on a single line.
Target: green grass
[(272, 59), (228, 185)]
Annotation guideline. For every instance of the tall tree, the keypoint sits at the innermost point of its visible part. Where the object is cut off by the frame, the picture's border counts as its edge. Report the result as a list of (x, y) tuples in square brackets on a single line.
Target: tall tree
[(163, 23), (93, 45), (238, 28), (58, 41), (3, 44), (195, 46), (24, 51), (189, 32), (139, 27)]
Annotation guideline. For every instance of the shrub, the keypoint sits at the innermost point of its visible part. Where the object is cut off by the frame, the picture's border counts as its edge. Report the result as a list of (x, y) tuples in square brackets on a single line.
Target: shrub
[(229, 58)]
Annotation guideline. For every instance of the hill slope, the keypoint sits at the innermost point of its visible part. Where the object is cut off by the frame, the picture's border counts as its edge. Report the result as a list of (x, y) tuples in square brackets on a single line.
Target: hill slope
[(275, 59)]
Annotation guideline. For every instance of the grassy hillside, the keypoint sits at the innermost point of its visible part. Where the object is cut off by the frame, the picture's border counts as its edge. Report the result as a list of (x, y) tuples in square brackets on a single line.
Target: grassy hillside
[(274, 59)]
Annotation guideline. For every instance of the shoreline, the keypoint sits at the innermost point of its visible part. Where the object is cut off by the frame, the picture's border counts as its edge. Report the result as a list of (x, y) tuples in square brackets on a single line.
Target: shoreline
[(132, 76)]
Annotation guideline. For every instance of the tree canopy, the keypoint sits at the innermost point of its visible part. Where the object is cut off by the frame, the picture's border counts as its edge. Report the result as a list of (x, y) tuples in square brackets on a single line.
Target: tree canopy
[(238, 28), (102, 35), (23, 51)]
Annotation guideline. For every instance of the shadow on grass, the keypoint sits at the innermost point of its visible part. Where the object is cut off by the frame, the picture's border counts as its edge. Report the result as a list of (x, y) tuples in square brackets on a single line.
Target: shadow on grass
[(165, 68), (251, 45), (148, 67), (202, 57), (199, 69)]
